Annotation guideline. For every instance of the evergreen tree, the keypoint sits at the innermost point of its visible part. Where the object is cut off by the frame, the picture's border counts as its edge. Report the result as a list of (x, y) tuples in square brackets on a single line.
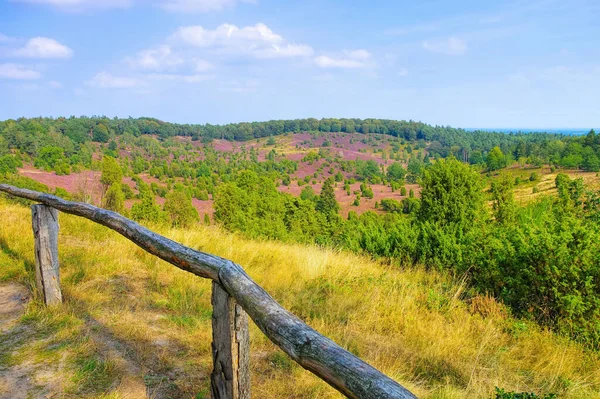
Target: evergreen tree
[(327, 204), (180, 210), (147, 210), (503, 200), (111, 172), (451, 194), (114, 198)]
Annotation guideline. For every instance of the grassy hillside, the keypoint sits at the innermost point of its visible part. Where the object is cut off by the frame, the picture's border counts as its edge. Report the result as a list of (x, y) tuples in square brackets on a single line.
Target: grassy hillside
[(132, 323)]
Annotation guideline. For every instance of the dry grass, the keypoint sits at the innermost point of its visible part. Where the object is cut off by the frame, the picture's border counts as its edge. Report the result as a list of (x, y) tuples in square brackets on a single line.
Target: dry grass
[(524, 192), (132, 323)]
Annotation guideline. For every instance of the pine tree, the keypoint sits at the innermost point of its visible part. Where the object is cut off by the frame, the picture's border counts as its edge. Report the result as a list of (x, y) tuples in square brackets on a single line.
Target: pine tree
[(111, 172), (147, 210), (327, 204)]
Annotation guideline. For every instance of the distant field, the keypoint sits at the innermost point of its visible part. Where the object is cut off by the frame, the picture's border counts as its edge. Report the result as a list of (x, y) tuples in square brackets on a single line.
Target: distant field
[(295, 147)]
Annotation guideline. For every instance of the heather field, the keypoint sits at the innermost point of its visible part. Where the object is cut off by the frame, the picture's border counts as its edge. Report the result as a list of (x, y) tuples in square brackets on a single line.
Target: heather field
[(294, 147)]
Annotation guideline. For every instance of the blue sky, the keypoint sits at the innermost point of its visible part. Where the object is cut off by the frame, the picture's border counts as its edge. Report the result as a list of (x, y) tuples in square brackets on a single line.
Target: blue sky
[(529, 64)]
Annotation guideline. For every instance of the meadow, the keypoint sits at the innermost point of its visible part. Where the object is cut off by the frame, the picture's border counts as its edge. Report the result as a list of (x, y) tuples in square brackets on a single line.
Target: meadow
[(133, 325)]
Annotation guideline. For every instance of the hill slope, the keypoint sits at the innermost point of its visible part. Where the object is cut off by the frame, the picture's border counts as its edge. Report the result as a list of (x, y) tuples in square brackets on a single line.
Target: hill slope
[(133, 325)]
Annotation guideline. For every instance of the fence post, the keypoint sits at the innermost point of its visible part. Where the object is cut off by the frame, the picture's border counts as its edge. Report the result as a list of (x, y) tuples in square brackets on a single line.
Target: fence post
[(230, 378), (45, 232)]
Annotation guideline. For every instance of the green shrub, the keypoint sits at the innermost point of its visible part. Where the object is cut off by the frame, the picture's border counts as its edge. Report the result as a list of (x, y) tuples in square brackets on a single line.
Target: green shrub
[(502, 394)]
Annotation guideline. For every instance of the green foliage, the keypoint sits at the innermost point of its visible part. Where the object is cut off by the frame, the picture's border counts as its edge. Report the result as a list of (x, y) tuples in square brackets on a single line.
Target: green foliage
[(327, 203), (147, 210), (495, 159), (502, 394), (114, 198), (534, 177), (179, 209), (111, 172), (451, 195), (396, 171), (246, 203), (101, 134), (366, 191), (503, 200), (61, 192), (308, 194), (411, 205), (8, 164), (127, 191), (391, 205), (367, 170), (62, 168), (49, 157)]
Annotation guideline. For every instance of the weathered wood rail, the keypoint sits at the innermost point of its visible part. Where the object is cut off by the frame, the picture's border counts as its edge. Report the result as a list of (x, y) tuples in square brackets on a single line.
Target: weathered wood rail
[(235, 294)]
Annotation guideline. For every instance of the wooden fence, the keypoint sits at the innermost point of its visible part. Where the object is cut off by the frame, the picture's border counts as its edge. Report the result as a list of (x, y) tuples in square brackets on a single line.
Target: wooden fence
[(234, 296)]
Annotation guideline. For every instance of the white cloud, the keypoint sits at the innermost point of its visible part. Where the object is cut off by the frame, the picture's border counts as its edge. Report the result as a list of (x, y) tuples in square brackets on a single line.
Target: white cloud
[(196, 78), (227, 35), (449, 46), (55, 85), (81, 5), (105, 80), (402, 72), (43, 47), (288, 50), (18, 72), (156, 59), (257, 40), (349, 59)]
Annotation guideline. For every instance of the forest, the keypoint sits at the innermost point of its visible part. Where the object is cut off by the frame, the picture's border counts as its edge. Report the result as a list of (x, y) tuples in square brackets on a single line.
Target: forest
[(448, 198)]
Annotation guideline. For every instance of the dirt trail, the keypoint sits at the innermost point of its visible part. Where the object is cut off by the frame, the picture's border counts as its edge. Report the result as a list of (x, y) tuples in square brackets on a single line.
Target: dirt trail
[(13, 299), (139, 378), (15, 382)]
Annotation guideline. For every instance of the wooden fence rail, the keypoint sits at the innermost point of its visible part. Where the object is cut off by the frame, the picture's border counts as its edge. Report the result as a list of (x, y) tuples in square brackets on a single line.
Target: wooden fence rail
[(235, 294)]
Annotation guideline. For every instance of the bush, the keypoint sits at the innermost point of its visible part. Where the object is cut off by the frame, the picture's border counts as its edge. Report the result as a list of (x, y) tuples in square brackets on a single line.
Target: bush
[(8, 164), (502, 394), (391, 205), (147, 210), (62, 193), (114, 198), (534, 176), (180, 210), (127, 191)]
